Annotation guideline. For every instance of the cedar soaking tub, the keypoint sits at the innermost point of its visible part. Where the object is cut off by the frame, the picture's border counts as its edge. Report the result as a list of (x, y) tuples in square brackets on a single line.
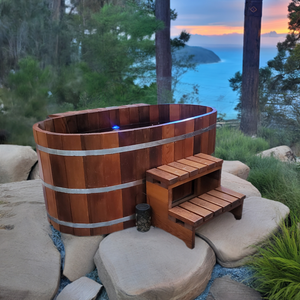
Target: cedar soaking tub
[(93, 176)]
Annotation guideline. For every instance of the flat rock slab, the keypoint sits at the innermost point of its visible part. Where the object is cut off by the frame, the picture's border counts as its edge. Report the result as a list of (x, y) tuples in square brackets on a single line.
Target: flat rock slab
[(236, 168), (81, 289), (239, 185), (29, 261), (16, 162), (233, 240), (283, 153), (153, 265), (80, 252), (225, 288)]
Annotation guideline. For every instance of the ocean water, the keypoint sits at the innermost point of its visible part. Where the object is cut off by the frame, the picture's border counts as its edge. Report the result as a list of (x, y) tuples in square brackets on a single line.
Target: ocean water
[(213, 79)]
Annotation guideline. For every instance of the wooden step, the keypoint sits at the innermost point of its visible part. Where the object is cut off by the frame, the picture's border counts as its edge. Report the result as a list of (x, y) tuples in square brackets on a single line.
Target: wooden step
[(201, 209)]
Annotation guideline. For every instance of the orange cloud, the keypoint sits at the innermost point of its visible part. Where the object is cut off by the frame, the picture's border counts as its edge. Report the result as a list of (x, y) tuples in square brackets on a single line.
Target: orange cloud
[(278, 25), (210, 30)]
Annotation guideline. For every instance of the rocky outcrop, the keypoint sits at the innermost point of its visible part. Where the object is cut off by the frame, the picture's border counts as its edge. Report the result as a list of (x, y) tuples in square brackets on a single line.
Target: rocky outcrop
[(200, 55), (283, 153), (239, 185), (227, 289), (81, 289), (80, 251), (16, 162), (29, 261), (152, 265), (234, 240), (236, 168)]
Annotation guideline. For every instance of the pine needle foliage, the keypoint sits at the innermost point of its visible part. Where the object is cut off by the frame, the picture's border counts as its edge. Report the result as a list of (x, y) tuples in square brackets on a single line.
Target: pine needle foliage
[(277, 265)]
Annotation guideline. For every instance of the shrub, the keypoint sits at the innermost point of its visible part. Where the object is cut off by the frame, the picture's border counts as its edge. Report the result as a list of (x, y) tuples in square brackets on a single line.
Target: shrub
[(277, 265), (276, 180), (232, 144)]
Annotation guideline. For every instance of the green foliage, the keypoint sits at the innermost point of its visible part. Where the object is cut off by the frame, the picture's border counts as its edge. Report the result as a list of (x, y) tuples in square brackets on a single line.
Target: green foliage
[(278, 136), (232, 144), (25, 100), (276, 180), (277, 265)]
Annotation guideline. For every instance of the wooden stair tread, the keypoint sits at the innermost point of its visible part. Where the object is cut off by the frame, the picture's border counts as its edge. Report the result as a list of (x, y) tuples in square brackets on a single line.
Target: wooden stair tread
[(180, 173), (230, 192), (201, 168), (192, 170), (185, 216), (206, 214), (207, 206), (216, 209), (222, 196), (162, 176), (210, 164), (218, 161)]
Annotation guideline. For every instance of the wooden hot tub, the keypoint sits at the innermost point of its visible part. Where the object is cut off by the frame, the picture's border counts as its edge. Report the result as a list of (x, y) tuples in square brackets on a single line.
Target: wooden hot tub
[(93, 176)]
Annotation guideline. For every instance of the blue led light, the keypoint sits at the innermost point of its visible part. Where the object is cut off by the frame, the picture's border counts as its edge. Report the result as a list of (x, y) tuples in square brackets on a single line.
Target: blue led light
[(116, 127)]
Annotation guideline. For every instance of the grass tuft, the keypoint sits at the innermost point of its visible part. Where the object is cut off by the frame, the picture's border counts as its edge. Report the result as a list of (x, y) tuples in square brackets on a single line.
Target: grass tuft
[(277, 265), (232, 144)]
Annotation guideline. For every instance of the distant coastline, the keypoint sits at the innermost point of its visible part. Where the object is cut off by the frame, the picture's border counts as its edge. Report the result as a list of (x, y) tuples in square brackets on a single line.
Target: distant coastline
[(200, 55)]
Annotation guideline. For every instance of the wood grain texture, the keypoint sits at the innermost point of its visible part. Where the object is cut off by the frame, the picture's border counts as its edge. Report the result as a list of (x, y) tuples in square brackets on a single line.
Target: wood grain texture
[(179, 146), (174, 112), (206, 214), (144, 114), (127, 159), (154, 113), (168, 150), (198, 124), (80, 213), (189, 142), (210, 164), (204, 136), (192, 170), (134, 115), (161, 176), (180, 173), (155, 153), (124, 116), (216, 209), (164, 113), (185, 216)]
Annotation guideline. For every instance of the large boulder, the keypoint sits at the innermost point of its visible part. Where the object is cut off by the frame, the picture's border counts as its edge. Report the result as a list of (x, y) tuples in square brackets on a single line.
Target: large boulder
[(233, 240), (239, 185), (153, 265), (225, 288), (35, 172), (29, 261), (80, 252), (16, 162), (283, 153), (81, 289), (236, 168)]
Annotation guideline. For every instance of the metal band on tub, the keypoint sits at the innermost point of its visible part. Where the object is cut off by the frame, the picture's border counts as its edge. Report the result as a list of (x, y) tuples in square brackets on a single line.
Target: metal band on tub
[(94, 190), (125, 148), (91, 225)]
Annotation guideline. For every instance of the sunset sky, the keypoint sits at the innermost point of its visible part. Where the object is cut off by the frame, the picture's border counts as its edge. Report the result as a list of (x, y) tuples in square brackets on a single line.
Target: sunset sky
[(220, 17)]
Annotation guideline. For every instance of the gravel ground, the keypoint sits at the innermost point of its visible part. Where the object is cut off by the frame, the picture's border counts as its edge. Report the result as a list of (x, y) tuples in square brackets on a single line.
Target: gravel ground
[(242, 274)]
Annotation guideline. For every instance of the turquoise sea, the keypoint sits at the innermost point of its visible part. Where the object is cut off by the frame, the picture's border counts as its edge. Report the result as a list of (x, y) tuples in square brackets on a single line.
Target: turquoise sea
[(213, 79)]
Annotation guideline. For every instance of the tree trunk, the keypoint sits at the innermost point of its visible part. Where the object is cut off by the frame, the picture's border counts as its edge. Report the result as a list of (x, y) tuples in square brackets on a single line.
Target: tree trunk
[(250, 79), (163, 53)]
